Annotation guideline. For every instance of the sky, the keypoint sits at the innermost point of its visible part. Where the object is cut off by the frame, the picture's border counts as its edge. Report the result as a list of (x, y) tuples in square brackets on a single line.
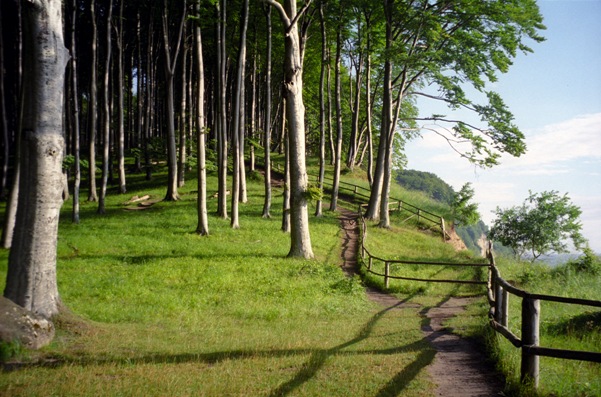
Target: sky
[(555, 97)]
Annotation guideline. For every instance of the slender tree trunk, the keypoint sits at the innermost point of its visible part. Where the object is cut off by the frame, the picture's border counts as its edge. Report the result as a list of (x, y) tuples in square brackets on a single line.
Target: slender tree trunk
[(222, 112), (203, 223), (286, 195), (368, 106), (3, 122), (183, 110), (238, 128), (120, 106), (338, 153), (92, 109), (77, 172), (107, 113), (267, 138), (322, 108), (31, 278), (170, 67), (12, 202), (140, 93), (354, 140)]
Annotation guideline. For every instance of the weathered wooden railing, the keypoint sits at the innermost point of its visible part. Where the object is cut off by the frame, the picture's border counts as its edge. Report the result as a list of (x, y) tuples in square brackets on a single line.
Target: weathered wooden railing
[(431, 219), (498, 291), (498, 297), (370, 258)]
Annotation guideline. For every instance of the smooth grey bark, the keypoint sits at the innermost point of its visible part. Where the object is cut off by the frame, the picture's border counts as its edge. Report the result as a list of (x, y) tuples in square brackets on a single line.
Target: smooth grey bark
[(181, 168), (170, 67), (222, 140), (322, 108), (31, 278), (92, 114), (300, 238), (203, 221), (106, 125), (75, 121), (11, 204), (267, 136), (286, 194), (338, 148), (238, 118), (120, 106)]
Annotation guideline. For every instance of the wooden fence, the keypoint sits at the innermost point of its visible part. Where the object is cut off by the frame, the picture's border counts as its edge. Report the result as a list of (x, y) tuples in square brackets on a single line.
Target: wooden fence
[(498, 297), (498, 291), (363, 193)]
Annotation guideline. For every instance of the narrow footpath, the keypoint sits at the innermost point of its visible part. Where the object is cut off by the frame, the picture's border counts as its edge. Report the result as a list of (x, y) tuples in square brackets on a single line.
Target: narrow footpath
[(459, 369)]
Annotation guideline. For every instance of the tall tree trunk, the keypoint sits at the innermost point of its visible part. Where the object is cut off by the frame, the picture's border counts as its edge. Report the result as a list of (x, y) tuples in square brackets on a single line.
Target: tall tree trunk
[(238, 111), (92, 108), (120, 106), (374, 207), (338, 153), (140, 91), (150, 95), (353, 148), (322, 108), (222, 142), (170, 67), (267, 137), (3, 122), (75, 121), (300, 238), (368, 104), (107, 113), (12, 202), (181, 177), (286, 195), (31, 278), (203, 223)]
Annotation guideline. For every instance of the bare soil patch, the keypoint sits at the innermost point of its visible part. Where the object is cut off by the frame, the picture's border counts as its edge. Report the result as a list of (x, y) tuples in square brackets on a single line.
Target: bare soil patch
[(459, 368)]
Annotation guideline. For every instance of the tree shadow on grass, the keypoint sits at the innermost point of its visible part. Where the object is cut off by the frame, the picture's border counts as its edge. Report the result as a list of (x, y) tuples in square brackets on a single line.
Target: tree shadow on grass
[(316, 361)]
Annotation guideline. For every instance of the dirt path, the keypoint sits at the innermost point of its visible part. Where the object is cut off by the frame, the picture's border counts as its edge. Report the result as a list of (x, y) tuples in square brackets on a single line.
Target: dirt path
[(459, 368)]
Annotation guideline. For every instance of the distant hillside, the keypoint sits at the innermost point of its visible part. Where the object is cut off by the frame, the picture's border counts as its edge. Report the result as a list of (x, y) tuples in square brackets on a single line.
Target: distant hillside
[(439, 190), (426, 182)]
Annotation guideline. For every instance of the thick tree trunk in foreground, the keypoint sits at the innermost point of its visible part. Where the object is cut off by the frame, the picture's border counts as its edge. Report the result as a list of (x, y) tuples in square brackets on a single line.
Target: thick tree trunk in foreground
[(300, 239), (31, 278)]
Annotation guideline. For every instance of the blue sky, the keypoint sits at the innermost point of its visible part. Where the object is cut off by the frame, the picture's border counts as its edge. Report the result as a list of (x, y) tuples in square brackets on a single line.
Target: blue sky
[(555, 96)]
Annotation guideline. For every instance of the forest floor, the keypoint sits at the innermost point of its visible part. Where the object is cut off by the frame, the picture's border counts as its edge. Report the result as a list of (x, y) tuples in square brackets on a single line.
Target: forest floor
[(459, 367)]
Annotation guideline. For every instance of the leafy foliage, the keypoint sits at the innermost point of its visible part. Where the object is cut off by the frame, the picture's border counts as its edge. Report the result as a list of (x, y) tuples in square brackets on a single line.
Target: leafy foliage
[(465, 212), (541, 225), (426, 182)]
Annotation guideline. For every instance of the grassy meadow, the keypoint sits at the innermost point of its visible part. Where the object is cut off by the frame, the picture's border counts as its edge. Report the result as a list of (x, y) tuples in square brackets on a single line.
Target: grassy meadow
[(156, 310)]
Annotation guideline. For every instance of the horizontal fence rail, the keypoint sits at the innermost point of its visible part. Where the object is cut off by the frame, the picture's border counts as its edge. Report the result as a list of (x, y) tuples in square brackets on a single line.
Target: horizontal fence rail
[(433, 220), (498, 296), (498, 291)]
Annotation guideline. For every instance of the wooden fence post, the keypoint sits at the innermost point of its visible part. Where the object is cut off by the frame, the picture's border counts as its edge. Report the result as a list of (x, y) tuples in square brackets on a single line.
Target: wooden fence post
[(443, 228), (386, 274), (530, 337), (498, 301), (505, 309)]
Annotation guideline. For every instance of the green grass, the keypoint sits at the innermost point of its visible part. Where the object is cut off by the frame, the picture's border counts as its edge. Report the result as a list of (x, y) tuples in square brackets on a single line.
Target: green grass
[(158, 310), (562, 326)]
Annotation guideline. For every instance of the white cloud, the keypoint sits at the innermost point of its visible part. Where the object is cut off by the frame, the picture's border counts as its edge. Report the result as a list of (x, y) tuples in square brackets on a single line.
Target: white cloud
[(552, 147)]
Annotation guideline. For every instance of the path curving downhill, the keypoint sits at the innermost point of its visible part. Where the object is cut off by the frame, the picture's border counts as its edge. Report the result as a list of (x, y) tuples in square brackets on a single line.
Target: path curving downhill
[(459, 369)]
